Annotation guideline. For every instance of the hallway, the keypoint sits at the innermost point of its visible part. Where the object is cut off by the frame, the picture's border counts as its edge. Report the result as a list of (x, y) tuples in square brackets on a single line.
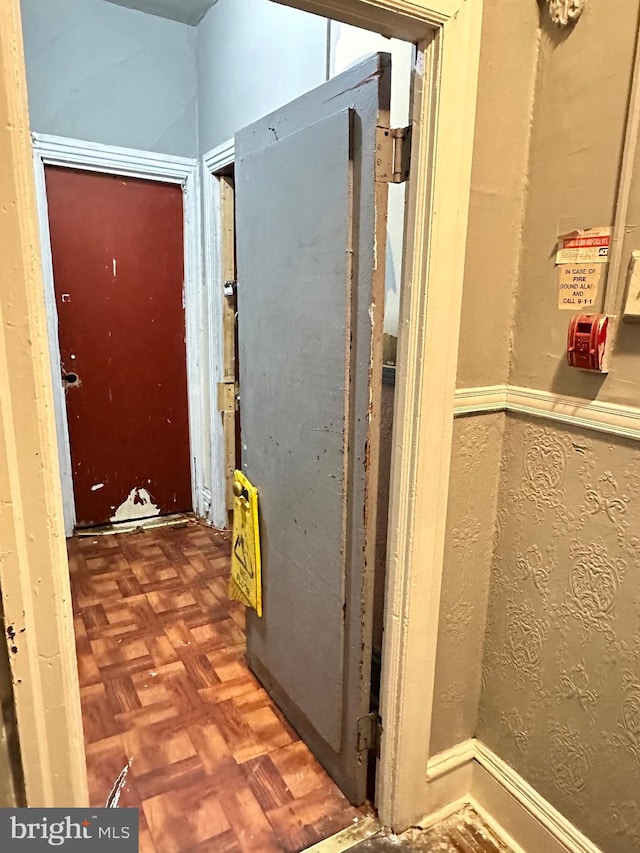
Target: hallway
[(214, 766)]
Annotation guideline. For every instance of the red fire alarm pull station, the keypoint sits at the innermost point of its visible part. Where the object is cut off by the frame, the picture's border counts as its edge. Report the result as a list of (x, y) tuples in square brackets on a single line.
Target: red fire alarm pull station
[(587, 342)]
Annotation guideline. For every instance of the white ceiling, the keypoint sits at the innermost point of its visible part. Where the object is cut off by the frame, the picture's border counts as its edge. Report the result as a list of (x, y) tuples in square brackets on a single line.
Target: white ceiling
[(186, 11)]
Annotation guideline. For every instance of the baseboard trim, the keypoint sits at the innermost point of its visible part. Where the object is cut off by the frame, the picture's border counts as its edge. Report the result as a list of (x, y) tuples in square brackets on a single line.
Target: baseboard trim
[(520, 802), (451, 759), (548, 846), (511, 806), (609, 418), (450, 775)]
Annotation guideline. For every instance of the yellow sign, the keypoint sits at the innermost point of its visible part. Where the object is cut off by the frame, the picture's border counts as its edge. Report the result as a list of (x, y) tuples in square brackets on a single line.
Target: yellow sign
[(245, 583)]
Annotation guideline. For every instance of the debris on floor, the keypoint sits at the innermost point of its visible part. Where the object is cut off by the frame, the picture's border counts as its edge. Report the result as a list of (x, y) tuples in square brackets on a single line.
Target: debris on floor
[(135, 525), (462, 832)]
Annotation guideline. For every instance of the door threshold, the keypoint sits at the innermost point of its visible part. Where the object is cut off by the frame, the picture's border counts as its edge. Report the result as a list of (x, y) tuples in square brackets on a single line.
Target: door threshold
[(347, 838), (139, 524)]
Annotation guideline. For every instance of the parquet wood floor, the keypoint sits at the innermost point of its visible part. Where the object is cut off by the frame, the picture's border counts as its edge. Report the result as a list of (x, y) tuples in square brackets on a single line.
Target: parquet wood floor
[(163, 683)]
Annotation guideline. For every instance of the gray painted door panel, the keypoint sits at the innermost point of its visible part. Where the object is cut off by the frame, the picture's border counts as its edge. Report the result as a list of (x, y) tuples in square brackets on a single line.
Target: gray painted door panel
[(310, 297), (294, 420)]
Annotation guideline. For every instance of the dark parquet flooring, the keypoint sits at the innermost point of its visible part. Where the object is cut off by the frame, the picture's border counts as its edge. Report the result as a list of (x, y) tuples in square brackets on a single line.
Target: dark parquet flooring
[(164, 685)]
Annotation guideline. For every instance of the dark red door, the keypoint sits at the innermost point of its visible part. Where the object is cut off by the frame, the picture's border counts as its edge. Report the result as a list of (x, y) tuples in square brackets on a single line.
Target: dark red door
[(117, 247)]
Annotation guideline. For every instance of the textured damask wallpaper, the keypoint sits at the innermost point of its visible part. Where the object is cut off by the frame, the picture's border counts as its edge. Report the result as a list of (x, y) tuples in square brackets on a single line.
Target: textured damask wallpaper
[(471, 510), (561, 674)]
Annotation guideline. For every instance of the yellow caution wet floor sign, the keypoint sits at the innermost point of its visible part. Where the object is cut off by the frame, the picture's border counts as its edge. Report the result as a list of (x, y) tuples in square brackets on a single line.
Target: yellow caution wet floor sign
[(245, 583)]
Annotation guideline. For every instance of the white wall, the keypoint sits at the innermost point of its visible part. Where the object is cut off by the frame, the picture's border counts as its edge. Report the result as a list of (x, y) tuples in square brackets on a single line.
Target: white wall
[(100, 72), (253, 57)]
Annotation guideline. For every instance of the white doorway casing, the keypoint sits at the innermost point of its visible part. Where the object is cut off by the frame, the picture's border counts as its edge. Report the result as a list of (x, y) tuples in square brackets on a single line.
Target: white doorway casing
[(444, 99), (91, 156), (212, 162)]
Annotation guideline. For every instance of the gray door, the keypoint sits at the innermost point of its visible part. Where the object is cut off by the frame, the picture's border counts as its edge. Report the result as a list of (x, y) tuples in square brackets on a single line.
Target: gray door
[(311, 235)]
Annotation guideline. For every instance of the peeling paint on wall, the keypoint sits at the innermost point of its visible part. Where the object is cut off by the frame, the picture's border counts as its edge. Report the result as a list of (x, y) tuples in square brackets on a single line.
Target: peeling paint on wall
[(138, 504)]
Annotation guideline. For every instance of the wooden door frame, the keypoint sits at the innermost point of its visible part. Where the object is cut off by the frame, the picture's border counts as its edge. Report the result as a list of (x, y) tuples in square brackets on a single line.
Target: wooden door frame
[(33, 571), (146, 165), (213, 162)]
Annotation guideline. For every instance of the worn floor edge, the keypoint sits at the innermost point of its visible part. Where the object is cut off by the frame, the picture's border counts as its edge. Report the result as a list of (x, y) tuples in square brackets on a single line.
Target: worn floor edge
[(347, 838), (136, 525)]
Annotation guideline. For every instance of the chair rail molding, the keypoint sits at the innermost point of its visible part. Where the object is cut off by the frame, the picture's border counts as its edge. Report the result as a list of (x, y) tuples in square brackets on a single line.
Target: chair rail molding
[(597, 415)]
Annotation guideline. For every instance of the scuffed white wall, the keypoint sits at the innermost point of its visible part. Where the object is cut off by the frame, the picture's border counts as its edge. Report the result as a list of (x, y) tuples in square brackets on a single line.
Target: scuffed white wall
[(103, 73)]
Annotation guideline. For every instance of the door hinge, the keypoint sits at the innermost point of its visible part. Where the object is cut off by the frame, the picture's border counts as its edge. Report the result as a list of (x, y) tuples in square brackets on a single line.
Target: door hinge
[(226, 396), (393, 154), (369, 733)]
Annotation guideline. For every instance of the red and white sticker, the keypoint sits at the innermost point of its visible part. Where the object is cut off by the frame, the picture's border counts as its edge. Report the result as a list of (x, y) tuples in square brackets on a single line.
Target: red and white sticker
[(584, 246)]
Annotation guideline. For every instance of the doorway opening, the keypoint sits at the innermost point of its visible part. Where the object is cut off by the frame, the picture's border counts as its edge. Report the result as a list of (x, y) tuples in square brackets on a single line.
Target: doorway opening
[(37, 602), (280, 315), (122, 343), (120, 246), (420, 30), (348, 127)]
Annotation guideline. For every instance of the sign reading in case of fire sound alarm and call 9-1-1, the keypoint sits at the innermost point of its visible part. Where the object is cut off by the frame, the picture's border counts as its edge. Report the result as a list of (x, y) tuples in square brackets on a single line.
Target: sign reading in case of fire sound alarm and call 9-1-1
[(245, 582), (580, 259)]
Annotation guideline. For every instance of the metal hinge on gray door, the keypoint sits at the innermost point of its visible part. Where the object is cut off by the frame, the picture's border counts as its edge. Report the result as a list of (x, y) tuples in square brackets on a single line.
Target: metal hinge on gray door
[(393, 154), (369, 733)]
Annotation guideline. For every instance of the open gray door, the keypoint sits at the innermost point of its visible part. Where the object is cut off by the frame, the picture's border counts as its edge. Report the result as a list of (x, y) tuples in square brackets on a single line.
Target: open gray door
[(311, 236)]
